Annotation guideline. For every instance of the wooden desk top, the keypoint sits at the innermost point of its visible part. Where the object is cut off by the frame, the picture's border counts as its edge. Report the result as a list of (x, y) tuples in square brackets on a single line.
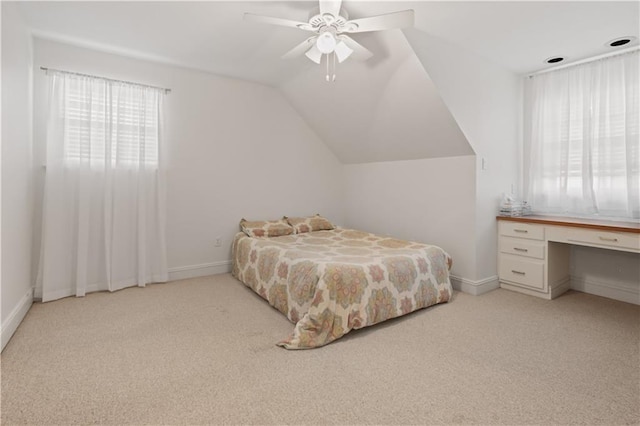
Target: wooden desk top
[(603, 225)]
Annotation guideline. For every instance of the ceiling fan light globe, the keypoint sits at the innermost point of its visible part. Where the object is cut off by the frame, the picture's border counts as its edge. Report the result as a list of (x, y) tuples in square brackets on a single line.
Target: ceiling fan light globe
[(314, 54), (326, 42), (343, 51)]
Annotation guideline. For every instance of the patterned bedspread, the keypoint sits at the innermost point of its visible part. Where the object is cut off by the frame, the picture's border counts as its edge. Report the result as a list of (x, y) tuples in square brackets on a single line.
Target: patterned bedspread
[(331, 282)]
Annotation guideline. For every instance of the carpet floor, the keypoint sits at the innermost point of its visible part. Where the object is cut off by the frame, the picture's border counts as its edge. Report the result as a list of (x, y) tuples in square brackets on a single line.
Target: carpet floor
[(202, 351)]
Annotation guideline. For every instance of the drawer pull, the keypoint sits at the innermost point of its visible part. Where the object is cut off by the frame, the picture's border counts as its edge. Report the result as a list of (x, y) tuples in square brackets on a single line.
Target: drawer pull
[(520, 249), (518, 272), (520, 230), (614, 240)]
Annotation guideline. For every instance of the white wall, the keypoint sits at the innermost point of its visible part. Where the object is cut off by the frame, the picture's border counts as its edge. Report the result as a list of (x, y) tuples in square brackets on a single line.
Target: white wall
[(236, 149), (608, 273), (17, 182), (430, 201), (485, 100)]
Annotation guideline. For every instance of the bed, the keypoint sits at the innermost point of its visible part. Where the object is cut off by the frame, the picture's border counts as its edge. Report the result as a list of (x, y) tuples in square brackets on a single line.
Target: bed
[(330, 282)]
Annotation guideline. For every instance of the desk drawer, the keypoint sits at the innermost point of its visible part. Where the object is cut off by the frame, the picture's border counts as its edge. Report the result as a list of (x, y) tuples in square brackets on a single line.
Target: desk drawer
[(526, 272), (521, 230), (522, 247), (619, 240)]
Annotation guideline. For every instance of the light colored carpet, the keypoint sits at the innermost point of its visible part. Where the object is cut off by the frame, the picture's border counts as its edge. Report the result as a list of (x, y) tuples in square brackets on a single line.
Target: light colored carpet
[(202, 351)]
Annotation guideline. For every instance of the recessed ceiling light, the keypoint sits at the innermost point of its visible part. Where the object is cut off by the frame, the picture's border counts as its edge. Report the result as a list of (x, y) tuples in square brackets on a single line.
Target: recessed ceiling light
[(554, 59), (620, 41)]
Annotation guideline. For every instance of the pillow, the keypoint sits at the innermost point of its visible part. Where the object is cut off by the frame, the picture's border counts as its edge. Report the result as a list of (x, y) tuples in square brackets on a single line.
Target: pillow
[(309, 224), (266, 228)]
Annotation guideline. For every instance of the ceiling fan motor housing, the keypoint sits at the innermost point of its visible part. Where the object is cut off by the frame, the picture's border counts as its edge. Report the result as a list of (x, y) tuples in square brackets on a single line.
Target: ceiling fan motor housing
[(317, 20)]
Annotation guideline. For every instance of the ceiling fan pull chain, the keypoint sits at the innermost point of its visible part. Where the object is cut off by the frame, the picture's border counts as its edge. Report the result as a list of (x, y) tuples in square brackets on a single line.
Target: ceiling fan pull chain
[(334, 66), (327, 76)]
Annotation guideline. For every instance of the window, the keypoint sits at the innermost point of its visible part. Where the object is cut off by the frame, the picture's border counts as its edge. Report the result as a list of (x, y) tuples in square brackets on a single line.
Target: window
[(103, 210), (584, 139), (109, 124)]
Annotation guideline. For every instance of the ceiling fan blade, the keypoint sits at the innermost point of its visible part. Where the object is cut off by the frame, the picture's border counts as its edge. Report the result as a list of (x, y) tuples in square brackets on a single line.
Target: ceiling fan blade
[(360, 52), (277, 21), (332, 7), (300, 49), (388, 21)]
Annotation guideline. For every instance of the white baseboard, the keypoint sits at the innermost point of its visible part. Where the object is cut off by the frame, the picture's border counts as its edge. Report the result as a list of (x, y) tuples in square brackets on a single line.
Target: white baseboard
[(475, 288), (174, 274), (560, 287), (625, 292), (193, 271), (15, 317)]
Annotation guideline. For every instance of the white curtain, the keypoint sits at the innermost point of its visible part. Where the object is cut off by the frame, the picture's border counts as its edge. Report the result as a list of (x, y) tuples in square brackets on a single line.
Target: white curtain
[(103, 209), (584, 139)]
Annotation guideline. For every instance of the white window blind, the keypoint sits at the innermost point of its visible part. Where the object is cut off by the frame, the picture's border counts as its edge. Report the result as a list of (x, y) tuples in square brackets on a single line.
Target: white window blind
[(109, 123)]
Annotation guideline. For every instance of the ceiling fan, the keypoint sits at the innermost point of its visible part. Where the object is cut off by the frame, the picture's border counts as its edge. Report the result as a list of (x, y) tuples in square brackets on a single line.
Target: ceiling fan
[(330, 27)]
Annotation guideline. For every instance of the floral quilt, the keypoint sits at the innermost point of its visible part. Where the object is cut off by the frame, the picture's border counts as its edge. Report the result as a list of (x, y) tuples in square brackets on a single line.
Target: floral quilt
[(331, 282)]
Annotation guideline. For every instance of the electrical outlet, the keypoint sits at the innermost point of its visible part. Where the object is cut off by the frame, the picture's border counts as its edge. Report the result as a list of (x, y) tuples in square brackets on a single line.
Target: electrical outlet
[(218, 242)]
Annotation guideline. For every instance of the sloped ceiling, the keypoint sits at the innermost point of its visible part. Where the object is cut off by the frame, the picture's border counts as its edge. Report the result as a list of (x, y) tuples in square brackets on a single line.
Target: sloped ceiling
[(384, 109), (394, 114)]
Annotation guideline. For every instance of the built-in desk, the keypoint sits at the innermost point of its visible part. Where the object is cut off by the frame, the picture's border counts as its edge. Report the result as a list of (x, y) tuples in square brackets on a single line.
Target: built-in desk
[(534, 251)]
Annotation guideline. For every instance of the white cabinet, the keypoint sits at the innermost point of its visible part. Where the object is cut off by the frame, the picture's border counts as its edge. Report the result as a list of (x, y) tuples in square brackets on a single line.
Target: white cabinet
[(533, 252), (522, 254), (528, 263)]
